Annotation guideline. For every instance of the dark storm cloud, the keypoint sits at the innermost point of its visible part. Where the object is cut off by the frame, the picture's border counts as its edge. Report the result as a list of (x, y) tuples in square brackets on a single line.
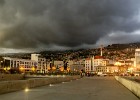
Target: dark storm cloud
[(2, 2), (68, 23), (120, 37)]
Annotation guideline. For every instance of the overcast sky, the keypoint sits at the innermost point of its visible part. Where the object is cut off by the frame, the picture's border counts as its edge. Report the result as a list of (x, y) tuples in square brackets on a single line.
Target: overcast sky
[(27, 25)]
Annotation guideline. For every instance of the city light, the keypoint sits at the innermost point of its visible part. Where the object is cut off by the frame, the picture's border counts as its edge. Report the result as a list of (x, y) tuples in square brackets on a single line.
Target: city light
[(64, 75), (6, 68), (53, 68), (61, 69), (26, 90), (131, 69), (51, 85), (33, 69), (21, 68), (68, 69), (117, 64)]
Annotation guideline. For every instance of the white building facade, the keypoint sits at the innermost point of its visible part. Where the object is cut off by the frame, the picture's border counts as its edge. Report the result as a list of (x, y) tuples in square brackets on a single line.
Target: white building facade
[(89, 64), (41, 65), (96, 64), (137, 58), (23, 65)]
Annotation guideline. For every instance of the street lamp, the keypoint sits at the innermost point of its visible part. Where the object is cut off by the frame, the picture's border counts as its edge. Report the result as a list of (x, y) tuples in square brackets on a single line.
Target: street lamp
[(26, 89), (1, 62), (21, 69), (61, 69), (131, 69), (53, 68), (68, 69), (33, 69)]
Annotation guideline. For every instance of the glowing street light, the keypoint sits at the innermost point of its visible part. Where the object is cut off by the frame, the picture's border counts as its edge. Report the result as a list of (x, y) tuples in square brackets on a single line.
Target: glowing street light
[(53, 68), (33, 69), (1, 62), (118, 64), (6, 68), (61, 69), (131, 69), (68, 69), (26, 90), (21, 69)]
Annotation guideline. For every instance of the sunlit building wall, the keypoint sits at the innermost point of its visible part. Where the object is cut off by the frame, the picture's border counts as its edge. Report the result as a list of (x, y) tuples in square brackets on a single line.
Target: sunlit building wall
[(41, 65), (76, 65), (58, 64), (107, 69), (137, 58), (89, 64)]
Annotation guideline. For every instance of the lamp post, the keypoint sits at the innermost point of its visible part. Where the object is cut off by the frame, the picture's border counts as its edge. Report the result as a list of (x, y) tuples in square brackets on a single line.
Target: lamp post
[(32, 70), (21, 69), (1, 62)]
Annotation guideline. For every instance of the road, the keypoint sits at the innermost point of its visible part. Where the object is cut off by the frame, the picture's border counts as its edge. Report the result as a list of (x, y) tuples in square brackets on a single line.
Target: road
[(88, 88)]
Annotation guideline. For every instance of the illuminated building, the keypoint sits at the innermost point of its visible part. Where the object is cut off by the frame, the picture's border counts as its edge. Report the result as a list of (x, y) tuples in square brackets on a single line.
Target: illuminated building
[(137, 58), (41, 65), (24, 65)]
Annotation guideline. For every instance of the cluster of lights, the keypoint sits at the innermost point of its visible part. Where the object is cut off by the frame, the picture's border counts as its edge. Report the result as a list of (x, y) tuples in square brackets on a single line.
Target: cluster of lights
[(118, 64), (8, 68)]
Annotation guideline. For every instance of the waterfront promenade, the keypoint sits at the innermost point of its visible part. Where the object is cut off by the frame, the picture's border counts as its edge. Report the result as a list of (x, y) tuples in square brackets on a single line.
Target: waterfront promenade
[(87, 88)]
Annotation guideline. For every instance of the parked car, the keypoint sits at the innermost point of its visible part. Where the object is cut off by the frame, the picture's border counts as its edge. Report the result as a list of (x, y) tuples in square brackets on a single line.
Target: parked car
[(101, 74), (136, 73)]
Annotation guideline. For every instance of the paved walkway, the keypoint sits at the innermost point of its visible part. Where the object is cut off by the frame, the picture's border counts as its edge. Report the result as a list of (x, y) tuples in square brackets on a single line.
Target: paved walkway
[(88, 88)]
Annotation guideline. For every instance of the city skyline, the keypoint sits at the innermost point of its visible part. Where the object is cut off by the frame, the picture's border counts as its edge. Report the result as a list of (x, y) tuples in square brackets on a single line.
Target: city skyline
[(33, 25)]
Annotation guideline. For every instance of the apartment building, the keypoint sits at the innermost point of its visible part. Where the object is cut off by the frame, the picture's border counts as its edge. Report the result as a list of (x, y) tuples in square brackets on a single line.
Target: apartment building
[(99, 64), (24, 65), (41, 63), (89, 64), (76, 65), (137, 58)]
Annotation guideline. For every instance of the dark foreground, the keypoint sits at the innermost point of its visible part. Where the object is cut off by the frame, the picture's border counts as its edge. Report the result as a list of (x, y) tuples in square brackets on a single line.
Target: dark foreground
[(88, 88)]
